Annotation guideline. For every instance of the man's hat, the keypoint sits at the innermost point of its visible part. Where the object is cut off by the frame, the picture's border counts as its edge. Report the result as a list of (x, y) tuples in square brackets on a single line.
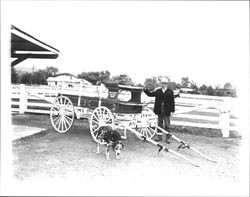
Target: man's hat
[(163, 80)]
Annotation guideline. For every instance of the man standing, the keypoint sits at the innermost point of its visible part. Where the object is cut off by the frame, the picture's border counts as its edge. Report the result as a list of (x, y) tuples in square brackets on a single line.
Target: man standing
[(163, 107)]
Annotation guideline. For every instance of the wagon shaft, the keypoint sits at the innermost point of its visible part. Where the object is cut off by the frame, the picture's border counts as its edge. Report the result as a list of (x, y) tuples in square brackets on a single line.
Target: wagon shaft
[(161, 146), (185, 145)]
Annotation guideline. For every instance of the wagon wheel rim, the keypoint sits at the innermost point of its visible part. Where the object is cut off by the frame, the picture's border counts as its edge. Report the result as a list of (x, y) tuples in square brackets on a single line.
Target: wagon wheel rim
[(146, 124), (62, 114), (101, 116)]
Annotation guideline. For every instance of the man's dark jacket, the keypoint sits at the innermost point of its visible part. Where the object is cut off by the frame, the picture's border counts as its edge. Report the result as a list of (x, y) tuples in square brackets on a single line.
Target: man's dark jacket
[(166, 97)]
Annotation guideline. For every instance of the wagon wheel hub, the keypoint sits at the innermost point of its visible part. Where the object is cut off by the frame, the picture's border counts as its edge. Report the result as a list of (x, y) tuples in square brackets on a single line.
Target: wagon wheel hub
[(102, 123), (62, 112)]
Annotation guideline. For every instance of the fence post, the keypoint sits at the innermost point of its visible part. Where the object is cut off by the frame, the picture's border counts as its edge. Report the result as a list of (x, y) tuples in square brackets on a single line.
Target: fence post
[(224, 123), (225, 117), (23, 99)]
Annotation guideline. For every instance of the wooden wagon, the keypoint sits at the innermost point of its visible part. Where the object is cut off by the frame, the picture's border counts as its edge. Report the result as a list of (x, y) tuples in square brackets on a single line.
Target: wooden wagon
[(115, 104), (118, 106)]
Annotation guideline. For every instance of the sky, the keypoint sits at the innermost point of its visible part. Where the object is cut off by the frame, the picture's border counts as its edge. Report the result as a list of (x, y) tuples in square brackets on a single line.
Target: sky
[(207, 41)]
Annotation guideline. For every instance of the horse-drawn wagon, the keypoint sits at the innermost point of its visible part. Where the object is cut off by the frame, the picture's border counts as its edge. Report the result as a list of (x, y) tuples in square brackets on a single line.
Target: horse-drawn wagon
[(115, 104), (118, 106)]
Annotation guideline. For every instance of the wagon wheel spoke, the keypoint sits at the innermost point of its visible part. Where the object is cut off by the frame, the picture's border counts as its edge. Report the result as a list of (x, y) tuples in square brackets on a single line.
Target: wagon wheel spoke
[(65, 101), (67, 120), (98, 114), (95, 130), (62, 123), (68, 106), (56, 106), (66, 124), (70, 119), (95, 122), (56, 118), (147, 132), (54, 112), (58, 121), (96, 117), (151, 131), (108, 119), (105, 114)]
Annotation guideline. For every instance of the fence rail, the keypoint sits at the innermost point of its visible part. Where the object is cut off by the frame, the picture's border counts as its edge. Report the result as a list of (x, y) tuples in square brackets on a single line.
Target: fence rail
[(191, 110)]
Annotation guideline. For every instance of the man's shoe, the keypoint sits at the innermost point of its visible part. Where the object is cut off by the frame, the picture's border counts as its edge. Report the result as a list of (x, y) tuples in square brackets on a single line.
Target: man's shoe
[(167, 138), (168, 142)]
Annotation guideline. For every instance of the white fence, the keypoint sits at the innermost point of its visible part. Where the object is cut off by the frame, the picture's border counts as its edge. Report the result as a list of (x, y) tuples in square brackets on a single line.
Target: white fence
[(191, 110)]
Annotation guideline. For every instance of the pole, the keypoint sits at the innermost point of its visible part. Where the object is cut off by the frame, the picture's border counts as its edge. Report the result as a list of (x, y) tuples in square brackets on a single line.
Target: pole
[(23, 99), (186, 145), (161, 146), (170, 150)]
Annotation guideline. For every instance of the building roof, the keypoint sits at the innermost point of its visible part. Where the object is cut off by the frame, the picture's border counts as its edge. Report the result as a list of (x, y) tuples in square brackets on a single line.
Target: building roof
[(25, 46)]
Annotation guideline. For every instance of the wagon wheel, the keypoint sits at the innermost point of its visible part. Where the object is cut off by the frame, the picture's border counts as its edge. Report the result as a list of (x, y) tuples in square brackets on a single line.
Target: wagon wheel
[(101, 116), (146, 123), (62, 114)]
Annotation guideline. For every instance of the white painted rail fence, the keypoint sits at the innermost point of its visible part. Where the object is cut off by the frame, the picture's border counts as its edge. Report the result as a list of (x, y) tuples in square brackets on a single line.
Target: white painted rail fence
[(191, 110)]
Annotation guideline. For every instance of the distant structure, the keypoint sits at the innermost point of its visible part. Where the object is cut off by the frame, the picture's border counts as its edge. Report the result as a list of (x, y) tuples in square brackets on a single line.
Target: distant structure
[(225, 92), (187, 90), (67, 81)]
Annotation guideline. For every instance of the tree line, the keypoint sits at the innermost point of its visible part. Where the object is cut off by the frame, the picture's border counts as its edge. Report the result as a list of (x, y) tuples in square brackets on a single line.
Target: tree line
[(40, 77)]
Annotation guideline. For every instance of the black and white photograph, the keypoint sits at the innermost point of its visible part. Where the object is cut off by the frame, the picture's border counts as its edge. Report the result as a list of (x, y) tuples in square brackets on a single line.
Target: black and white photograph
[(124, 98)]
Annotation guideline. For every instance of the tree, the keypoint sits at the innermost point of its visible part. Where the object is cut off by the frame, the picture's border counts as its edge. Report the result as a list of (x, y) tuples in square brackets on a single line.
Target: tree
[(39, 77), (26, 78), (104, 76), (210, 90), (228, 86), (194, 87), (51, 71), (185, 82), (203, 89), (139, 84), (93, 77), (173, 85), (122, 79), (13, 75), (151, 83), (218, 91), (67, 74)]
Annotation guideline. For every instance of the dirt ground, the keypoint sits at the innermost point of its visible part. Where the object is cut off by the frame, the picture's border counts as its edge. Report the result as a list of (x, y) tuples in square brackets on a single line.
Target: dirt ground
[(49, 163)]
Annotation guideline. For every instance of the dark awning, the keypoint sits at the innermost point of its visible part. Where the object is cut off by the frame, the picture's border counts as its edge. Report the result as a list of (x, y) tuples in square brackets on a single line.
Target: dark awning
[(25, 46)]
